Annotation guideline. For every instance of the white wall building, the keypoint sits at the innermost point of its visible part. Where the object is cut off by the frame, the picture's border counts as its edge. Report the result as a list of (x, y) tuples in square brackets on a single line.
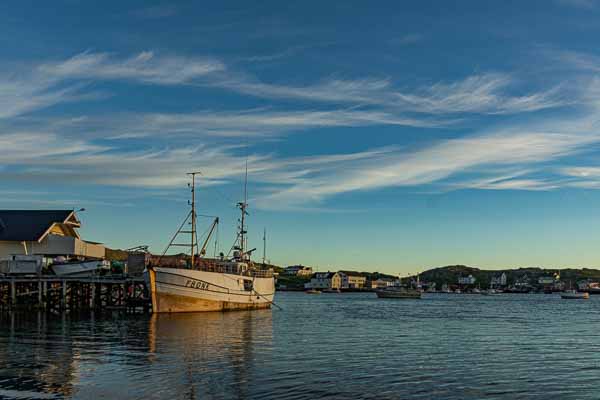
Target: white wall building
[(325, 280), (44, 232), (381, 283), (298, 270), (466, 280), (498, 280)]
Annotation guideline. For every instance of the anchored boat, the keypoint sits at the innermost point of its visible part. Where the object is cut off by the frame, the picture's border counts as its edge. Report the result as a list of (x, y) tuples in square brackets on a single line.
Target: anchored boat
[(398, 292), (223, 284), (574, 295)]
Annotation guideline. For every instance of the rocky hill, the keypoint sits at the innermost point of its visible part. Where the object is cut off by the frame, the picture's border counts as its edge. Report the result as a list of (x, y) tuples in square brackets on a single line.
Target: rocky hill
[(450, 274)]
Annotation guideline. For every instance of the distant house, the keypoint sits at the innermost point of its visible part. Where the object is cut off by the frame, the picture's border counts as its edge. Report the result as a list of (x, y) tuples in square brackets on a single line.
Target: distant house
[(498, 280), (44, 232), (546, 280), (352, 280), (324, 280), (522, 281), (298, 270), (466, 280), (381, 283)]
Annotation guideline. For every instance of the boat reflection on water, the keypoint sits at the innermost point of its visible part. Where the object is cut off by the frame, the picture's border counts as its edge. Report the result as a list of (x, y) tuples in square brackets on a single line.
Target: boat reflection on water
[(217, 354)]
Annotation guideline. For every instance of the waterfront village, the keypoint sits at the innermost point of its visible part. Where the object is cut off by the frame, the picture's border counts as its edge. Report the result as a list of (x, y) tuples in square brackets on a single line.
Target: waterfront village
[(449, 279)]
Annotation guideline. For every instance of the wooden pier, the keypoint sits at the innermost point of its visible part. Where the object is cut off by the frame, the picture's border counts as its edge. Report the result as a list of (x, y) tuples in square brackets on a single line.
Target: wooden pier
[(57, 294)]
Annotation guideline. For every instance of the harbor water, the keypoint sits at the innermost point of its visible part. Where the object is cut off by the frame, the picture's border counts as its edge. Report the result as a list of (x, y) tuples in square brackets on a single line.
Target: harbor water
[(334, 346)]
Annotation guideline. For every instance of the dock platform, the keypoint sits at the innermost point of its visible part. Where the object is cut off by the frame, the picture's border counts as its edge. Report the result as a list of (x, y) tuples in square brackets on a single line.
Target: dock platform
[(60, 294)]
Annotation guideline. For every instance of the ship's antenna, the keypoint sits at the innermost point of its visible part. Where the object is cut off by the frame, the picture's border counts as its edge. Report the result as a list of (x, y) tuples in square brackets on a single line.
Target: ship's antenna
[(264, 246), (245, 238)]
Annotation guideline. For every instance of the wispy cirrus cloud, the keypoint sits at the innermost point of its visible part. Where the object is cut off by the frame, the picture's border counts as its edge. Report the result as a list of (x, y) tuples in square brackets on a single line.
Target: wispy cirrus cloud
[(40, 86), (50, 83), (298, 182), (485, 94), (478, 94), (250, 122), (22, 92), (516, 148), (143, 67), (583, 177), (71, 150), (24, 147)]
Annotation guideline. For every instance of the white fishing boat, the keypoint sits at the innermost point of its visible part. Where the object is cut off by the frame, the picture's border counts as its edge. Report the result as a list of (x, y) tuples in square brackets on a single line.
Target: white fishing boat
[(574, 295), (81, 268), (234, 283)]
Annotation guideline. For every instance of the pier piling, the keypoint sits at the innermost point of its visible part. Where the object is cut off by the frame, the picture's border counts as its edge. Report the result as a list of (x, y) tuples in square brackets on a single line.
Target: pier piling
[(57, 294)]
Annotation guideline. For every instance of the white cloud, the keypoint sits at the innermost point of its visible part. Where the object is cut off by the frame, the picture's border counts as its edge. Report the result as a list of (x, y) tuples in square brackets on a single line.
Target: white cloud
[(485, 94), (23, 148), (143, 67), (512, 181), (476, 94), (436, 163), (584, 177), (54, 82), (161, 161), (20, 94), (288, 182), (252, 122)]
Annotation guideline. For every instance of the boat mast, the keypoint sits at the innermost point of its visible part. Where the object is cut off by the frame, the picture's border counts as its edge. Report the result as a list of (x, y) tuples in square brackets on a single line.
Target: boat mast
[(243, 205), (193, 213)]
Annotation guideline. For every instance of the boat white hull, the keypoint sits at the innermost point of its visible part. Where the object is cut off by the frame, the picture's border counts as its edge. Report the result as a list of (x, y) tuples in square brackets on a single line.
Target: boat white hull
[(184, 290), (398, 294), (575, 296), (81, 269)]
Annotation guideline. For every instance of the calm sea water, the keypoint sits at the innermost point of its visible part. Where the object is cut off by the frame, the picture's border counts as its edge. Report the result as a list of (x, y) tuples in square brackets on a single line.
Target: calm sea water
[(336, 346)]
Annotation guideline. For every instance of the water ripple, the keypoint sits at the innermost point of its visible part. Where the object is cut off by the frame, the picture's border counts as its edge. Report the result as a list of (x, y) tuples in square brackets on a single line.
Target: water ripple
[(350, 346)]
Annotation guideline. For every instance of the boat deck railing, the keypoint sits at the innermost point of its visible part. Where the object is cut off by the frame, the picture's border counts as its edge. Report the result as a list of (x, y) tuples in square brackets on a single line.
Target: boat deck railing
[(220, 268), (261, 273), (236, 270)]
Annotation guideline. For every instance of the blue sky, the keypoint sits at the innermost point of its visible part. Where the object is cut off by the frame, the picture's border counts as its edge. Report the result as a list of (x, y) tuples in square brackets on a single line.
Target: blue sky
[(393, 136)]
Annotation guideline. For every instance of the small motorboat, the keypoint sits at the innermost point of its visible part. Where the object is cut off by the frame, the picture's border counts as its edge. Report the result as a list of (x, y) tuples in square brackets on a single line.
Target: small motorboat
[(490, 292), (312, 291), (81, 268), (574, 295), (398, 292)]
